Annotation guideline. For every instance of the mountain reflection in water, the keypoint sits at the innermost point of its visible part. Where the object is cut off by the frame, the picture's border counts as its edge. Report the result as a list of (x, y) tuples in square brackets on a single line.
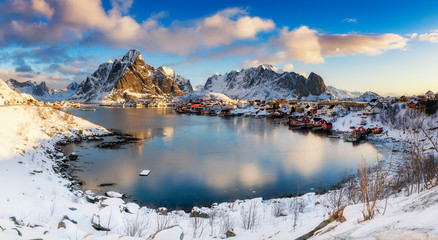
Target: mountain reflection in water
[(198, 159)]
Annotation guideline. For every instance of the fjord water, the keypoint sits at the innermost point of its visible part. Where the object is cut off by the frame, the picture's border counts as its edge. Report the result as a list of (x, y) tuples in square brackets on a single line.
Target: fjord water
[(196, 160)]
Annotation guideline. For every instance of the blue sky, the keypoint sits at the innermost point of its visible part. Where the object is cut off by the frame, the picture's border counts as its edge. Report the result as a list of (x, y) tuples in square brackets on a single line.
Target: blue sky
[(385, 46)]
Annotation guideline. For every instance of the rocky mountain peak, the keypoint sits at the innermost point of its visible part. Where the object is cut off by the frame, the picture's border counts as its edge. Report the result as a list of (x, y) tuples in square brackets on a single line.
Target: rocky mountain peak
[(168, 71), (131, 56), (315, 84), (267, 82), (128, 79)]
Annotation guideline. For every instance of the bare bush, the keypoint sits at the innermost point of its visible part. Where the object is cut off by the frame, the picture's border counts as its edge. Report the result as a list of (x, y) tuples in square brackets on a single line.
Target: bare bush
[(278, 208), (212, 216), (420, 169), (198, 225), (297, 206), (227, 223), (249, 216), (373, 183), (336, 200), (135, 226), (163, 221)]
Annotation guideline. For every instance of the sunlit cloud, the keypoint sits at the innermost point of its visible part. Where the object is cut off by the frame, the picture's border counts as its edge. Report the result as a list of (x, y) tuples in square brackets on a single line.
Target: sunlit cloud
[(288, 67), (87, 21), (307, 45), (429, 37)]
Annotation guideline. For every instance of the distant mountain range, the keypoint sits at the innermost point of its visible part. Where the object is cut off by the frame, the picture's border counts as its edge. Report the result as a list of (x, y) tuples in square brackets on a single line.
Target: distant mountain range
[(41, 92), (343, 94), (266, 82), (131, 79), (368, 96)]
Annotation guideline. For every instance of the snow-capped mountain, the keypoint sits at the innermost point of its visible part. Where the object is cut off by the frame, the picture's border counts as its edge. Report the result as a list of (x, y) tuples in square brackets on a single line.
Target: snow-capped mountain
[(183, 83), (368, 96), (205, 96), (343, 94), (9, 96), (198, 87), (41, 92), (266, 82), (127, 79)]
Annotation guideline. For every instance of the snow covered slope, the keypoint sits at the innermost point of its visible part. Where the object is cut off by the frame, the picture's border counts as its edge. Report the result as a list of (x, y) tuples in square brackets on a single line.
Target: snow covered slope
[(206, 96), (368, 96), (41, 92), (128, 79), (266, 82), (9, 96), (343, 94)]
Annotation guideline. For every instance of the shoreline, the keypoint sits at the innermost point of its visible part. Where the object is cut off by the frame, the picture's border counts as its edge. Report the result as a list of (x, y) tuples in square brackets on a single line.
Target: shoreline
[(77, 218), (376, 141)]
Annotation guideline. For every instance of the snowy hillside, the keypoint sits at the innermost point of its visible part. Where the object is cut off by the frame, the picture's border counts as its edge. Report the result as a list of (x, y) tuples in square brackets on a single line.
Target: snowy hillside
[(343, 94), (368, 96), (266, 82), (43, 93), (9, 96), (206, 96)]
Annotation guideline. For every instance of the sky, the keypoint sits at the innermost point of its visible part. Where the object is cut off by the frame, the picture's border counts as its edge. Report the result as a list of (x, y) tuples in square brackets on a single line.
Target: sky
[(389, 47)]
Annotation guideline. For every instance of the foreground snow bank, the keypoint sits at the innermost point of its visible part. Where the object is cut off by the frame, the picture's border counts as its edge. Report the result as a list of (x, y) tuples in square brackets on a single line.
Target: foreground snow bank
[(36, 203)]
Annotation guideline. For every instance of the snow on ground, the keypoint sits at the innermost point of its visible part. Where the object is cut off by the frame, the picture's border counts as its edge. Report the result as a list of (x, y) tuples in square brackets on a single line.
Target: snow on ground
[(206, 96), (8, 96), (36, 202)]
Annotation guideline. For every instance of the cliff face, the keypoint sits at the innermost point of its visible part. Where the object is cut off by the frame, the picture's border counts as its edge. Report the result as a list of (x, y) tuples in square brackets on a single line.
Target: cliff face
[(127, 79), (266, 82)]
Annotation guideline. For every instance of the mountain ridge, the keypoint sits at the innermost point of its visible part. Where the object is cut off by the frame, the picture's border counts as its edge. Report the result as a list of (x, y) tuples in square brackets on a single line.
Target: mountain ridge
[(41, 92), (127, 79), (265, 82)]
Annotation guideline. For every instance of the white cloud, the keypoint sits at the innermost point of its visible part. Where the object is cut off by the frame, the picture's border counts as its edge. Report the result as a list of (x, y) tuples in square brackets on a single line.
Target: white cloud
[(42, 7), (301, 44), (350, 20), (430, 37), (122, 5), (309, 46), (88, 21), (33, 7), (354, 44), (288, 67)]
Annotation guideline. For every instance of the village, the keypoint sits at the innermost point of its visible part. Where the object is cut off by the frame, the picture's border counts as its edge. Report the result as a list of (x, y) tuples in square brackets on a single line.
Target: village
[(316, 116), (312, 115)]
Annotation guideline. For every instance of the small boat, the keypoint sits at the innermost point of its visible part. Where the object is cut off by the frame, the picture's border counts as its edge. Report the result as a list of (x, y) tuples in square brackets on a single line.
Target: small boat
[(145, 172), (334, 136), (88, 109)]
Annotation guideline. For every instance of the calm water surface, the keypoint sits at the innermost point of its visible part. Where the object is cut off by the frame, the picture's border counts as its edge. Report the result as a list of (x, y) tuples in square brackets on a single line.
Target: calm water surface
[(196, 160)]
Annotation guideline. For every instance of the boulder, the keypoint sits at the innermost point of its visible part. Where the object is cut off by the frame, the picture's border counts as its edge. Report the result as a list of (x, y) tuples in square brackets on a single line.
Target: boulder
[(229, 234)]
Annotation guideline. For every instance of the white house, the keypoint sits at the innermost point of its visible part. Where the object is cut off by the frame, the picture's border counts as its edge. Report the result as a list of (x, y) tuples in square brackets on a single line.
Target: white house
[(336, 110), (242, 104), (370, 110)]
